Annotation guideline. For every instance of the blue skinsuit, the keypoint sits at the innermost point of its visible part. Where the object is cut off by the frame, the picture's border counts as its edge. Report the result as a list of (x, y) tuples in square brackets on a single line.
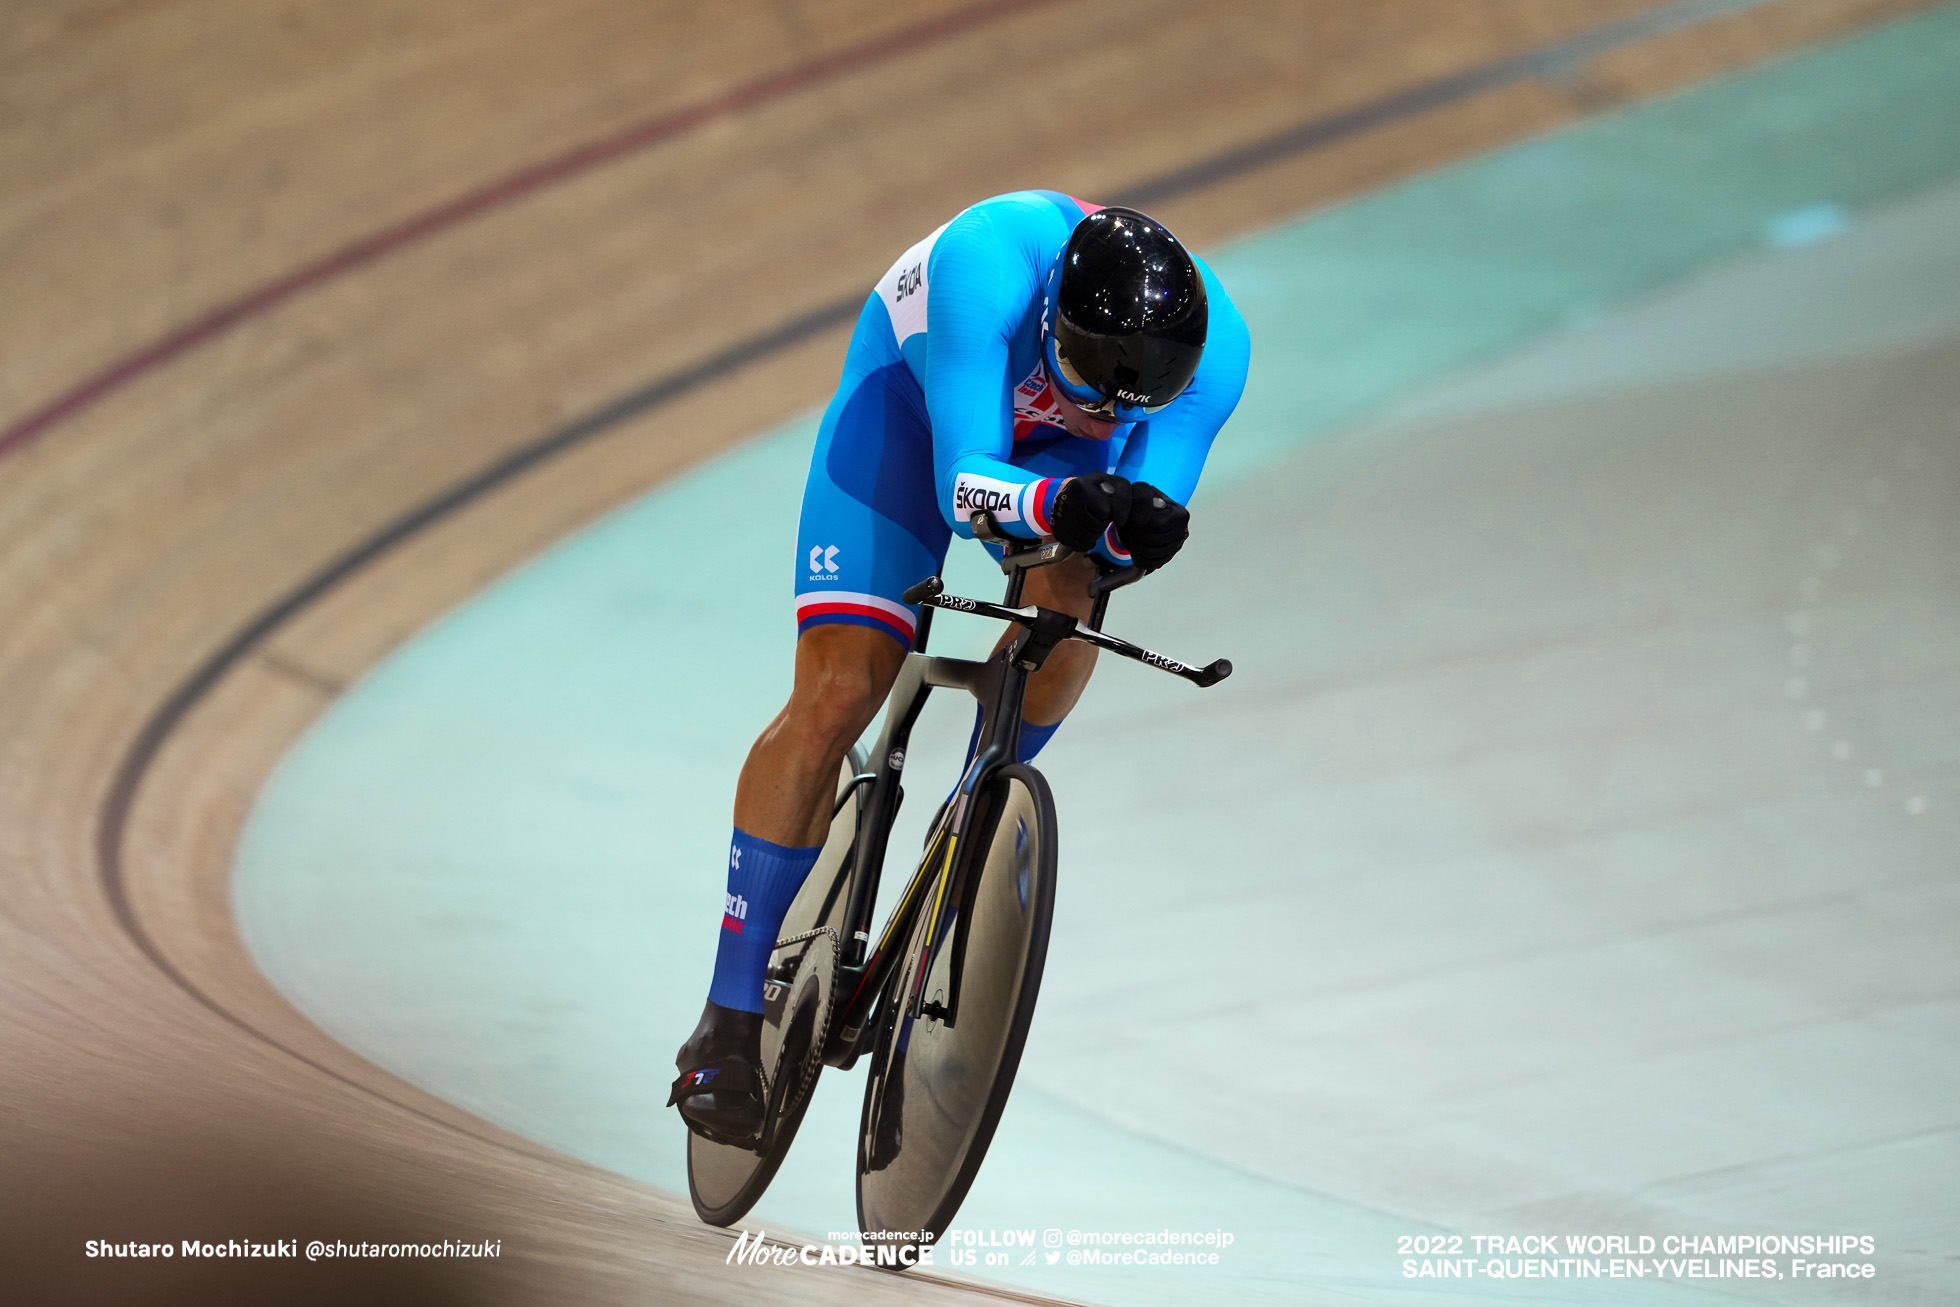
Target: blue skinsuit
[(944, 410)]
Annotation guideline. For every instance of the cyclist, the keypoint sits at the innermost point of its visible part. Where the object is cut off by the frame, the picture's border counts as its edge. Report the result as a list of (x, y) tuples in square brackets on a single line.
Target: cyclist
[(1059, 365)]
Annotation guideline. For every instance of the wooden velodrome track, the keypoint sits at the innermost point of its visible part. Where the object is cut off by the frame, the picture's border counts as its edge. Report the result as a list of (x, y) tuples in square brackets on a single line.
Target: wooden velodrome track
[(316, 316)]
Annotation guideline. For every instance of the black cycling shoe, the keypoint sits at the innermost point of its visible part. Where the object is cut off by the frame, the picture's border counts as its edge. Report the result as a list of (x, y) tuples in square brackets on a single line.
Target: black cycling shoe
[(719, 1092)]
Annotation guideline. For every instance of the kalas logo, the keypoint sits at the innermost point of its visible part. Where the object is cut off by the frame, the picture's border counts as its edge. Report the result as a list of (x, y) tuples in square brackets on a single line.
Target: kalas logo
[(824, 559)]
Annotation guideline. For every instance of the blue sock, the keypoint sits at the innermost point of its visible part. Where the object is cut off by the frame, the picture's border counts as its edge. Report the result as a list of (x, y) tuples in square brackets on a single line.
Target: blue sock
[(762, 882), (1032, 736)]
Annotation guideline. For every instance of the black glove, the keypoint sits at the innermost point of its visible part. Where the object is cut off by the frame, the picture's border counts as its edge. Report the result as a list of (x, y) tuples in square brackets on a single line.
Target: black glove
[(1156, 528), (1087, 506)]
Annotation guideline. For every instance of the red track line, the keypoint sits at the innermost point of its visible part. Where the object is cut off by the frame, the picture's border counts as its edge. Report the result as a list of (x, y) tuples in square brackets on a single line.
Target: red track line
[(493, 195)]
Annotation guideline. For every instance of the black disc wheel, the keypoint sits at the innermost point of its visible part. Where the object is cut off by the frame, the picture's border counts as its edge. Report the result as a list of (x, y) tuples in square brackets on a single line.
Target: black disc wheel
[(951, 1034), (797, 999)]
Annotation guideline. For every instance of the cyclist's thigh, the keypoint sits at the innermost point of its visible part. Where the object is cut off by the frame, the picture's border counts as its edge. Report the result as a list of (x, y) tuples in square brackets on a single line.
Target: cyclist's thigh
[(870, 526)]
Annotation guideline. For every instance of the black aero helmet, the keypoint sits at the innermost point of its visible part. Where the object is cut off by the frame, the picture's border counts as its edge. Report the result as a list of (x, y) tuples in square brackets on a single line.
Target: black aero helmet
[(1124, 323)]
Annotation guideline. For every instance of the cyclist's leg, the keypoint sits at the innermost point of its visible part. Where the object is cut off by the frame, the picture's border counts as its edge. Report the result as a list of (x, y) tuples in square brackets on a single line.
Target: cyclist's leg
[(843, 673), (870, 528), (1054, 690)]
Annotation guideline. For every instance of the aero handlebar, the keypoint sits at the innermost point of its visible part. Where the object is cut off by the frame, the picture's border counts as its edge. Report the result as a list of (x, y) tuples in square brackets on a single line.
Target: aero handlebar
[(931, 593)]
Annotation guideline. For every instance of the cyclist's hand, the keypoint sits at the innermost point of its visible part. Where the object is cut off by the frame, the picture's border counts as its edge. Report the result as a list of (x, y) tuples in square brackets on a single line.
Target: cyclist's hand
[(1156, 528), (1087, 506)]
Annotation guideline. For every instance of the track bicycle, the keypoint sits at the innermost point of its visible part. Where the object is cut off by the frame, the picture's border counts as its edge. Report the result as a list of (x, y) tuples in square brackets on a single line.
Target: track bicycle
[(943, 1000)]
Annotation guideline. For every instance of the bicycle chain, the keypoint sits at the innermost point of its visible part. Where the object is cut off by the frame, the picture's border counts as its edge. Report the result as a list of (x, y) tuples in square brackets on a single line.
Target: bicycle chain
[(823, 1020)]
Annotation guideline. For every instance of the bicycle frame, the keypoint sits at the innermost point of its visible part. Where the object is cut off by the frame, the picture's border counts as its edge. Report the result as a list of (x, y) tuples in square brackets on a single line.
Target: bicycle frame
[(1000, 685)]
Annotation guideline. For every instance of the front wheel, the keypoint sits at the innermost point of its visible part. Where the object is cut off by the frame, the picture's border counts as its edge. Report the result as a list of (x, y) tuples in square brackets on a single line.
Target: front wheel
[(951, 1034)]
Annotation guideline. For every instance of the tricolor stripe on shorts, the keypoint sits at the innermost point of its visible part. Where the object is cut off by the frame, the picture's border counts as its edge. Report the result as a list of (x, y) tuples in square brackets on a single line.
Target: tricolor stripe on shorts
[(848, 609)]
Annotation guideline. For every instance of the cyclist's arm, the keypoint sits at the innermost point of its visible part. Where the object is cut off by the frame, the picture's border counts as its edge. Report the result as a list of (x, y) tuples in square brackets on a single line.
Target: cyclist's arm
[(1168, 449), (981, 288)]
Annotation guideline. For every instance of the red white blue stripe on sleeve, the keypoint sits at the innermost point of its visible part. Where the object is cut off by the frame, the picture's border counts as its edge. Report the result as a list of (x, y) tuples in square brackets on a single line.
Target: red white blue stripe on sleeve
[(846, 608), (1038, 501), (1114, 547)]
